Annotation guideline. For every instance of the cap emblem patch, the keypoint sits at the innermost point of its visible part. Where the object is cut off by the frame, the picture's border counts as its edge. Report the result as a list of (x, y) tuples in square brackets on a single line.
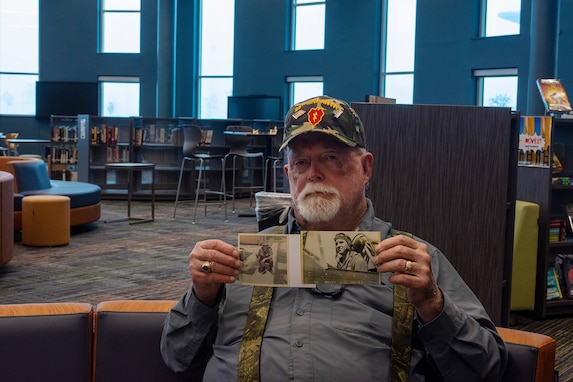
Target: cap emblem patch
[(315, 115)]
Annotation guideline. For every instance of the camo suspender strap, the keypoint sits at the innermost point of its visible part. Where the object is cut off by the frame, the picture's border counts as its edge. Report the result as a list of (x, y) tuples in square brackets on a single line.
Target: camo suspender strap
[(250, 353), (401, 332)]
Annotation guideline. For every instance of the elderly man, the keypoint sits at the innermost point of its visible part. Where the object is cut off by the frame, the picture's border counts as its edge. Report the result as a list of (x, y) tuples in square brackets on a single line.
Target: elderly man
[(223, 331)]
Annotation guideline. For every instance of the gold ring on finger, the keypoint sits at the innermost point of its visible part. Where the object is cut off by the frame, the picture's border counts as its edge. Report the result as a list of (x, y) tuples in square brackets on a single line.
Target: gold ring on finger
[(408, 266), (207, 266)]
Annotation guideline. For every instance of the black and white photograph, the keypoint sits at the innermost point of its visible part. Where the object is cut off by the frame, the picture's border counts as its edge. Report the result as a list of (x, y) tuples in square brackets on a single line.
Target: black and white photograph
[(345, 257), (265, 259)]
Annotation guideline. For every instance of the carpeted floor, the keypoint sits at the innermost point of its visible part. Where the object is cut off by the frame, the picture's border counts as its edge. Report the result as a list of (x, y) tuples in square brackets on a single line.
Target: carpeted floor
[(116, 260)]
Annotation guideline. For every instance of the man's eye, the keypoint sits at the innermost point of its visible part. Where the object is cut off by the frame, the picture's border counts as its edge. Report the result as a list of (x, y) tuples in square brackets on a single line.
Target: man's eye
[(299, 163)]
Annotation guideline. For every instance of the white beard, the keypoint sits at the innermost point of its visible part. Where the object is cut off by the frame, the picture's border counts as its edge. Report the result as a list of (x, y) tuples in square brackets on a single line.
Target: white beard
[(313, 207)]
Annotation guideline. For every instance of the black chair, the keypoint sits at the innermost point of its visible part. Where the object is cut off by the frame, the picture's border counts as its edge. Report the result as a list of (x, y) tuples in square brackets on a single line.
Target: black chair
[(274, 163), (192, 138), (238, 138)]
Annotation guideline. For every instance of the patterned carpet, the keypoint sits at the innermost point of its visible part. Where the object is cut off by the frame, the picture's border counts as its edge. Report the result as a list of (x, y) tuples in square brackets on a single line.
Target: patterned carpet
[(116, 260)]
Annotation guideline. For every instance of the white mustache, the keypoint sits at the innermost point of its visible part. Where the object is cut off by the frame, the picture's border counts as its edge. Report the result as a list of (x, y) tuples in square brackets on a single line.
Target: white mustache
[(314, 188)]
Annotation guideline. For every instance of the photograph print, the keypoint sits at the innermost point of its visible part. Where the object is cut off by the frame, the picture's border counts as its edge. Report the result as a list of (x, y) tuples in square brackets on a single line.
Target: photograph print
[(265, 259), (345, 257)]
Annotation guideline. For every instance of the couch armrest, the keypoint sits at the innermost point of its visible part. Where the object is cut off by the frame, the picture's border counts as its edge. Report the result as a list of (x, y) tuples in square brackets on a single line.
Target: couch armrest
[(147, 306), (532, 351)]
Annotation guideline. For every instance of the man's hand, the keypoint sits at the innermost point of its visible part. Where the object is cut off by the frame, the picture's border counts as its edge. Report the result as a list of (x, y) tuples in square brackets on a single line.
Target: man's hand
[(410, 263), (212, 263)]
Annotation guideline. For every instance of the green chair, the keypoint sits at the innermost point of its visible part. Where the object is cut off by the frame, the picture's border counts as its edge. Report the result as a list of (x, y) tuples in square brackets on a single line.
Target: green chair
[(524, 267)]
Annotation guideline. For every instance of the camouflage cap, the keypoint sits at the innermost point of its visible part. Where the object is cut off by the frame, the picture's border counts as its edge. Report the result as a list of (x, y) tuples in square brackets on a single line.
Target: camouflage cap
[(327, 115)]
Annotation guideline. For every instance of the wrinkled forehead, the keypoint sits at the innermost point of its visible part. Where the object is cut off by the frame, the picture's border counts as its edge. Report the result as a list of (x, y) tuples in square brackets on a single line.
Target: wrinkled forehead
[(316, 141)]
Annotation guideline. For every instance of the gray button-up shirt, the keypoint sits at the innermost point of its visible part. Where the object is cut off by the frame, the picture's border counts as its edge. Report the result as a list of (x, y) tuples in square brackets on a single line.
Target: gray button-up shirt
[(338, 333)]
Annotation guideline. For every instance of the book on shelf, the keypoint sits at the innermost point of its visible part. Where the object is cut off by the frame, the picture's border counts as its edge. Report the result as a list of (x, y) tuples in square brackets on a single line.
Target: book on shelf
[(557, 230), (553, 95), (564, 270), (557, 166), (553, 288), (64, 134), (569, 212)]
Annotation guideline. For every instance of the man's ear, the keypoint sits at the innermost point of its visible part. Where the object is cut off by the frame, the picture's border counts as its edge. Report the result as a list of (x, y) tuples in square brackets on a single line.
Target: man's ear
[(367, 164)]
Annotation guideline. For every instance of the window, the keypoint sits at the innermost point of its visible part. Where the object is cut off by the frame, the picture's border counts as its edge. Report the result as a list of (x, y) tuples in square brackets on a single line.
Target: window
[(397, 77), (18, 56), (497, 87), (216, 62), (119, 96), (500, 17), (308, 24), (120, 26), (302, 88)]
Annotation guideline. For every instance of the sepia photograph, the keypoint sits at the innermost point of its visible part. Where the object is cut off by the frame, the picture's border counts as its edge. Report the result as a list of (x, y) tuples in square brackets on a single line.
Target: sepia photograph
[(265, 259), (345, 257)]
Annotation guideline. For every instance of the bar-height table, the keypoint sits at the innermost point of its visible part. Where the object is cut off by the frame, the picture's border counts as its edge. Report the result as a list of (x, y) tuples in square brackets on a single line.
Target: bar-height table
[(130, 167), (19, 141)]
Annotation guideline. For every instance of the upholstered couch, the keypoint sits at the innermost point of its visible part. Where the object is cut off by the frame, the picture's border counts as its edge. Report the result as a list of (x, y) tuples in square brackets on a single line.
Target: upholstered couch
[(31, 178), (6, 217), (119, 341)]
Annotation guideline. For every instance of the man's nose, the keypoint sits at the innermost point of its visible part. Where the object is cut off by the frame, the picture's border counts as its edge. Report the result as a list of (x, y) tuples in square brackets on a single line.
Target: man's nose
[(314, 172)]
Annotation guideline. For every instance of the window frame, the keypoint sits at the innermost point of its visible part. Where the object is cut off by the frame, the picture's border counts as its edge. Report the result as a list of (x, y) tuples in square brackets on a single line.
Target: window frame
[(482, 74), (295, 6), (118, 79), (202, 78), (384, 73), (102, 27), (25, 75), (292, 81), (483, 22)]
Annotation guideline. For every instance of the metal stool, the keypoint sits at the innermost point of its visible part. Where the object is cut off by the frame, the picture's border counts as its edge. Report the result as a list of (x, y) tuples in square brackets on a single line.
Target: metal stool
[(275, 163), (238, 138), (192, 138)]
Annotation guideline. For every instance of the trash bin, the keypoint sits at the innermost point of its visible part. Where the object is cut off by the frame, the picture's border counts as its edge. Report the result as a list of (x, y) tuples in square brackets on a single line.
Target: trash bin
[(270, 207)]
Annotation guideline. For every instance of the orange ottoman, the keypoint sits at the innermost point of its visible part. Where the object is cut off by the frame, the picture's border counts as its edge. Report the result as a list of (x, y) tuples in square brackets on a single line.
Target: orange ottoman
[(45, 220)]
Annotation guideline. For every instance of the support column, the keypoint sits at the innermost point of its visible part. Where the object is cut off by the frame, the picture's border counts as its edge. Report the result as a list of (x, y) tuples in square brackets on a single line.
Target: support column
[(543, 49), (165, 58)]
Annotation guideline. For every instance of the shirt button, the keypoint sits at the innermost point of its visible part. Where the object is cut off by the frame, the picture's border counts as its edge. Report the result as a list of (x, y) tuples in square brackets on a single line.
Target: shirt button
[(298, 343), (300, 312)]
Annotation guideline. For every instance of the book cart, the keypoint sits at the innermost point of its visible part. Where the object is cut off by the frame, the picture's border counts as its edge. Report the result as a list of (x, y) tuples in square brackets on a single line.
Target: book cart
[(62, 152), (103, 140)]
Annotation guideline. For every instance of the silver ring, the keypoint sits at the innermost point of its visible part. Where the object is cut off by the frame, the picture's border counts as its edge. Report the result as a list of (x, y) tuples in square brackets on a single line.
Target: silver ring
[(408, 266), (207, 267)]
